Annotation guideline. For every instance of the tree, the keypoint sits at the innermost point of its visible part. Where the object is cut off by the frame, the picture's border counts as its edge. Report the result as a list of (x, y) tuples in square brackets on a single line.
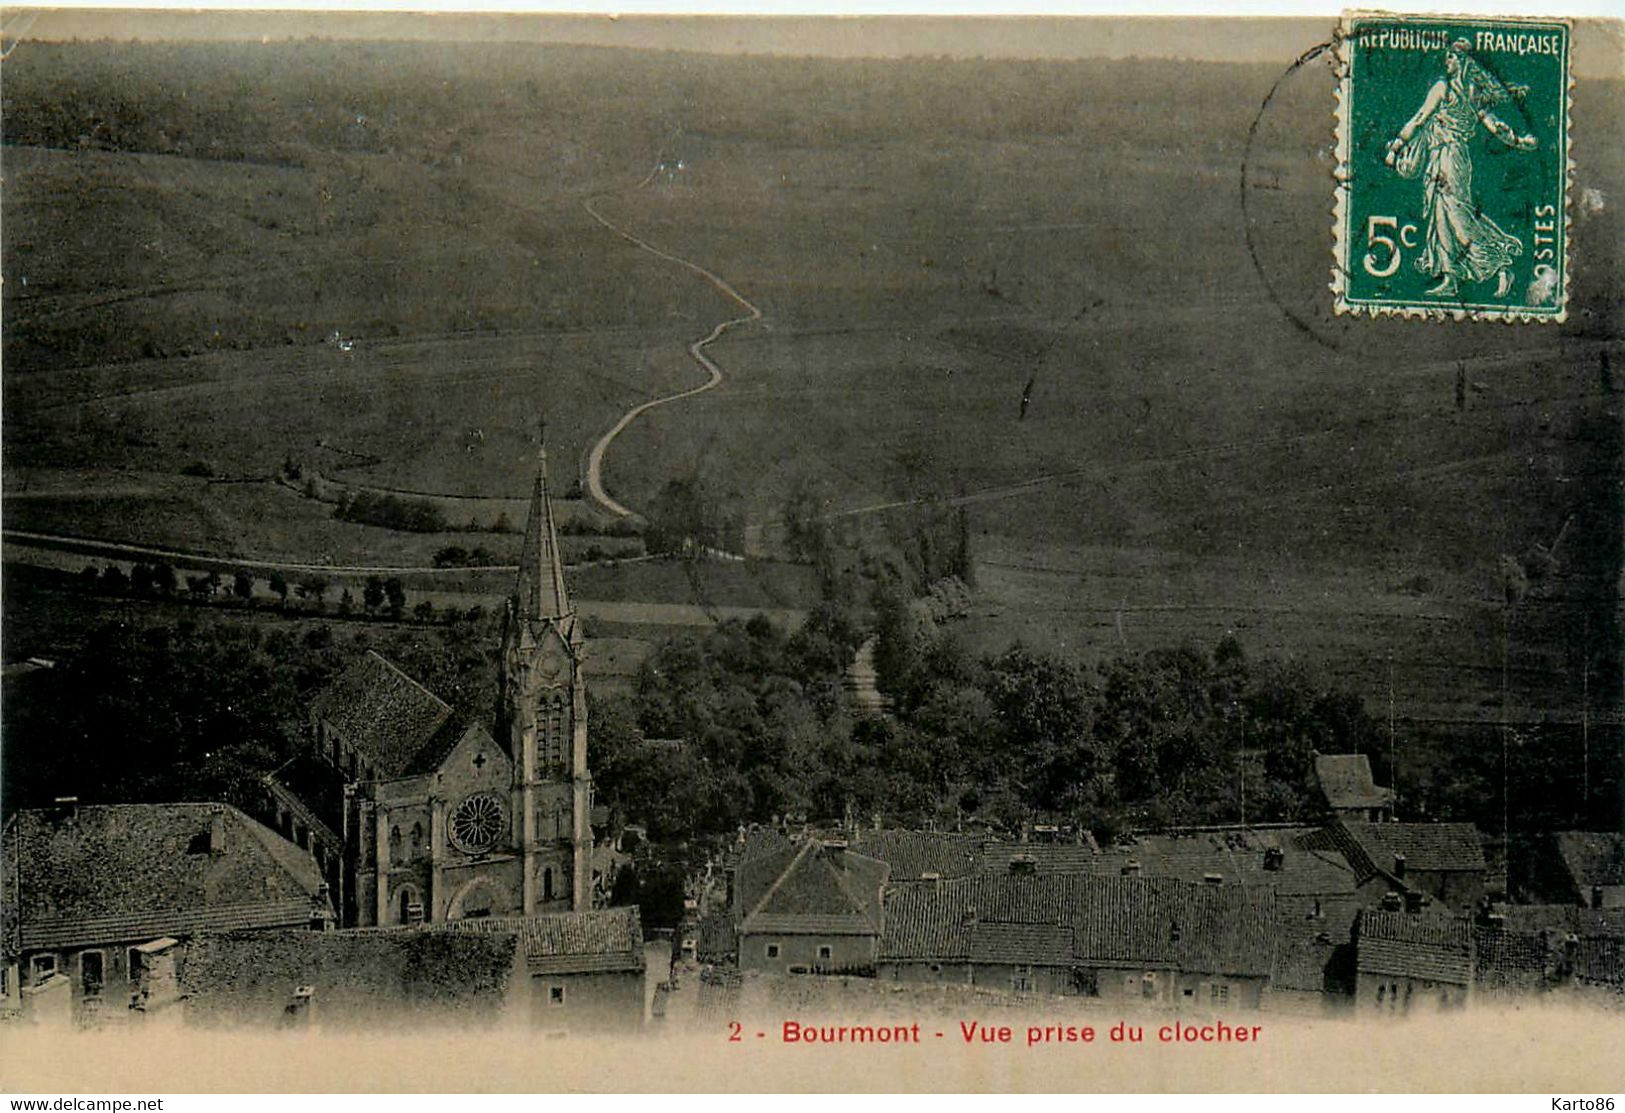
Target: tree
[(114, 579), (372, 596), (395, 594), (164, 578), (242, 584), (278, 583), (424, 611)]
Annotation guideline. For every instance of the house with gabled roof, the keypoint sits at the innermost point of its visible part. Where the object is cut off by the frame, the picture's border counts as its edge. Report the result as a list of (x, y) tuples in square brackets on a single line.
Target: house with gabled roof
[(1441, 861), (1592, 867), (1155, 941), (1408, 962), (90, 887), (1349, 789), (809, 907), (440, 817)]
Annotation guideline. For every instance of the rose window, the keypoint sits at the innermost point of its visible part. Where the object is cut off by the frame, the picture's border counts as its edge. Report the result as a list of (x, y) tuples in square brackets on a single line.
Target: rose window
[(477, 823)]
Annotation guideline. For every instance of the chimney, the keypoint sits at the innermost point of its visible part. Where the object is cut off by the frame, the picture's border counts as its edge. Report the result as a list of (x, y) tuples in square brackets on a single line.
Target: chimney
[(1024, 864), (1596, 896), (932, 879), (1399, 865), (1213, 878), (1131, 868), (1274, 858), (217, 831), (65, 809), (835, 851), (1391, 902), (968, 917)]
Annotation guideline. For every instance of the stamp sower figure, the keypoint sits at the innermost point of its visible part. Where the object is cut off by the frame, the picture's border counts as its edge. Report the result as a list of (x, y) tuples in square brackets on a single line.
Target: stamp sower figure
[(1461, 242)]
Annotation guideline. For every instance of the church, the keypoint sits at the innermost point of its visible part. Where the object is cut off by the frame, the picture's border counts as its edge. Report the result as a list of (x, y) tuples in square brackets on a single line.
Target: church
[(419, 816)]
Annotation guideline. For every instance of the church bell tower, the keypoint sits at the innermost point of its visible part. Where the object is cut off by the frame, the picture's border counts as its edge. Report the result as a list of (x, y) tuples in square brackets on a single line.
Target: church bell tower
[(544, 719)]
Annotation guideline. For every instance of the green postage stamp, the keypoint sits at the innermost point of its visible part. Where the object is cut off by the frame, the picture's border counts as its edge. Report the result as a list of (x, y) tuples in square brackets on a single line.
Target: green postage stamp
[(1453, 168)]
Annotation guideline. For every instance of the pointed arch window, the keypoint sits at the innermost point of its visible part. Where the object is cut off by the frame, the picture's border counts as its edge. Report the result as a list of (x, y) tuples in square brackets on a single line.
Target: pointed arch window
[(553, 721), (394, 844), (547, 883), (416, 844)]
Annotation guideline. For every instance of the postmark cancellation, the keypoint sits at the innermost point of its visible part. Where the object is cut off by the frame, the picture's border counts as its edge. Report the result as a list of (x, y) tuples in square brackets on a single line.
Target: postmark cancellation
[(1453, 169)]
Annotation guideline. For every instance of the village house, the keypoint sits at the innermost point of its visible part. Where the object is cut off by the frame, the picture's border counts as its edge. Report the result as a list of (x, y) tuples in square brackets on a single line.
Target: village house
[(423, 816), (1153, 941), (581, 970), (1592, 867), (1443, 862), (1349, 790), (96, 890), (1408, 962), (808, 907)]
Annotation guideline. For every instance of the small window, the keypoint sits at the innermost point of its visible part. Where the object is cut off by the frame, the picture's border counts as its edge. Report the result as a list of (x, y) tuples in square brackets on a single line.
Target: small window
[(772, 950), (936, 968), (555, 995), (826, 952), (132, 964), (92, 971), (1220, 994), (42, 966)]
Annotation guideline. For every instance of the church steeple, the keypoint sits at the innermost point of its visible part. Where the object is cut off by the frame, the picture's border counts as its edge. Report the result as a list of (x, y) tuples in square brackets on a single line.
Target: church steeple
[(539, 592)]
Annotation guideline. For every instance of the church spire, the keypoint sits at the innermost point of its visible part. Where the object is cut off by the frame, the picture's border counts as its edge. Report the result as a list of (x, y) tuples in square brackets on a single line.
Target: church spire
[(539, 593)]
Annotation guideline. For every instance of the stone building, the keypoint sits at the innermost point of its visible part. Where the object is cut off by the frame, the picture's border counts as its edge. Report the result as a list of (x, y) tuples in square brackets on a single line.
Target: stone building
[(1350, 791), (1409, 962), (1151, 941), (809, 907), (438, 818), (95, 891)]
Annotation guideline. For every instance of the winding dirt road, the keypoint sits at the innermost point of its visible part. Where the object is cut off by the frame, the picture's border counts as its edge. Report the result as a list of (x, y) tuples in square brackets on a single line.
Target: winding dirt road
[(595, 459)]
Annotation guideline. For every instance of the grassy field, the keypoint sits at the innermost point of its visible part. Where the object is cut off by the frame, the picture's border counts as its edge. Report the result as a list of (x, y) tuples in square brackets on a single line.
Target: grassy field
[(1205, 448)]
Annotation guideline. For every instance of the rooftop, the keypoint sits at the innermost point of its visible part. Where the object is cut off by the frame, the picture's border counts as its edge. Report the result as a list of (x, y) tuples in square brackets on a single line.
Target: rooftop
[(1023, 918), (1346, 782), (1425, 945), (112, 872), (386, 715), (601, 941), (812, 887), (1592, 858)]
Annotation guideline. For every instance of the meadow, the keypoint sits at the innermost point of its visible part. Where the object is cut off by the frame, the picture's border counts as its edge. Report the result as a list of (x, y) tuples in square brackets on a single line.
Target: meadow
[(383, 269)]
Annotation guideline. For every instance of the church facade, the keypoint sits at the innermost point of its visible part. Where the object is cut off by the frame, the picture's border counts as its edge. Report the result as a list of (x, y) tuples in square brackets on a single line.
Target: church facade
[(438, 818)]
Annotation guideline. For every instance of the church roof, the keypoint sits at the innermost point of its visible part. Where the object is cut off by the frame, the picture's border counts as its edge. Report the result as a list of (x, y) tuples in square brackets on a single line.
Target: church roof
[(386, 715), (539, 592), (107, 873)]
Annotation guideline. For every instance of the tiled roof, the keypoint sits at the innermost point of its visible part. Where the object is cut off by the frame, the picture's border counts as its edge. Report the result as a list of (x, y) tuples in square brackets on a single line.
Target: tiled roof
[(1046, 857), (1021, 944), (138, 871), (1113, 920), (1592, 858), (912, 854), (1601, 960), (821, 888), (375, 977), (1303, 960), (1562, 917), (1237, 857), (1512, 959), (1346, 781), (606, 939), (385, 714), (1415, 945), (1370, 847)]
